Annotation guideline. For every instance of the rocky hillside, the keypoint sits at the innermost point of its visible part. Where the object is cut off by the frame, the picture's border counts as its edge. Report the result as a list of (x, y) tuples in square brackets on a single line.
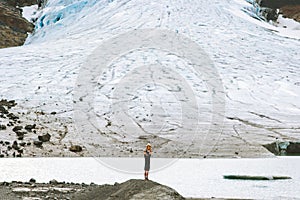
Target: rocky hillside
[(288, 8), (291, 11), (13, 27)]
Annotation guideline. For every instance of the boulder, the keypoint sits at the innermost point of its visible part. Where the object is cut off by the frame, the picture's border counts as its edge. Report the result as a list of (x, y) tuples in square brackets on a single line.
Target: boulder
[(15, 145), (2, 127), (3, 110), (17, 128), (9, 104), (30, 127), (32, 180), (12, 117), (38, 143), (75, 148), (269, 14), (22, 144), (44, 138), (53, 182), (20, 133)]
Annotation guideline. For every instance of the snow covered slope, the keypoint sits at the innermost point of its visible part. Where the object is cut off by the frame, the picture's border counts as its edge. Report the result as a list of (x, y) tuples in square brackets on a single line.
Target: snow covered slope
[(258, 67)]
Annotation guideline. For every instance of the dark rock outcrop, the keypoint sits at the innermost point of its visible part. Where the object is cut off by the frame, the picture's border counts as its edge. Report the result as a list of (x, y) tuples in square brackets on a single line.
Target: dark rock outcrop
[(293, 148), (291, 11), (13, 27), (284, 148), (288, 8), (20, 3), (277, 3)]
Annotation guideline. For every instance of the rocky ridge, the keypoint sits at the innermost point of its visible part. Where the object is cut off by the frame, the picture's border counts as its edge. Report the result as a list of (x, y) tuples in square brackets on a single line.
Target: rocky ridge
[(14, 28), (288, 8)]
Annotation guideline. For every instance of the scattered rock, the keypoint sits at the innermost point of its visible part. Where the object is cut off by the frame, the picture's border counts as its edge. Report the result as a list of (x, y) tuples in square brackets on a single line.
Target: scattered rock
[(53, 113), (32, 180), (44, 138), (12, 117), (53, 182), (20, 151), (15, 145), (3, 110), (8, 104), (108, 124), (22, 144), (143, 137), (75, 148), (2, 127), (21, 137), (30, 127), (20, 133), (38, 143), (270, 14), (5, 184), (17, 128)]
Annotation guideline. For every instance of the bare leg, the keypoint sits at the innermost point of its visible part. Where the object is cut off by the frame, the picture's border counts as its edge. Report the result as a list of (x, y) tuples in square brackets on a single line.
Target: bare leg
[(146, 177)]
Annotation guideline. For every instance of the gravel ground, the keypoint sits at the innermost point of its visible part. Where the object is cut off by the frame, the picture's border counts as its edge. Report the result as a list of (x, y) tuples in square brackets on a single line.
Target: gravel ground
[(132, 189)]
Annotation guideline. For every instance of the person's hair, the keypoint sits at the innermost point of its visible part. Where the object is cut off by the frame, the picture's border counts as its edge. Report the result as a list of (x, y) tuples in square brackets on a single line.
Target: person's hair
[(148, 146)]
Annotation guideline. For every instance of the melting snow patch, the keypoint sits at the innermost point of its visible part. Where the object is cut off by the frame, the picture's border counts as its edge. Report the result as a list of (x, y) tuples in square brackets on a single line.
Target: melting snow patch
[(30, 12)]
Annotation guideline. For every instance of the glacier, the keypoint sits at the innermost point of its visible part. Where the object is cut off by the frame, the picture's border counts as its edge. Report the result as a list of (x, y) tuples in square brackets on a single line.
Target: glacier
[(257, 62)]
